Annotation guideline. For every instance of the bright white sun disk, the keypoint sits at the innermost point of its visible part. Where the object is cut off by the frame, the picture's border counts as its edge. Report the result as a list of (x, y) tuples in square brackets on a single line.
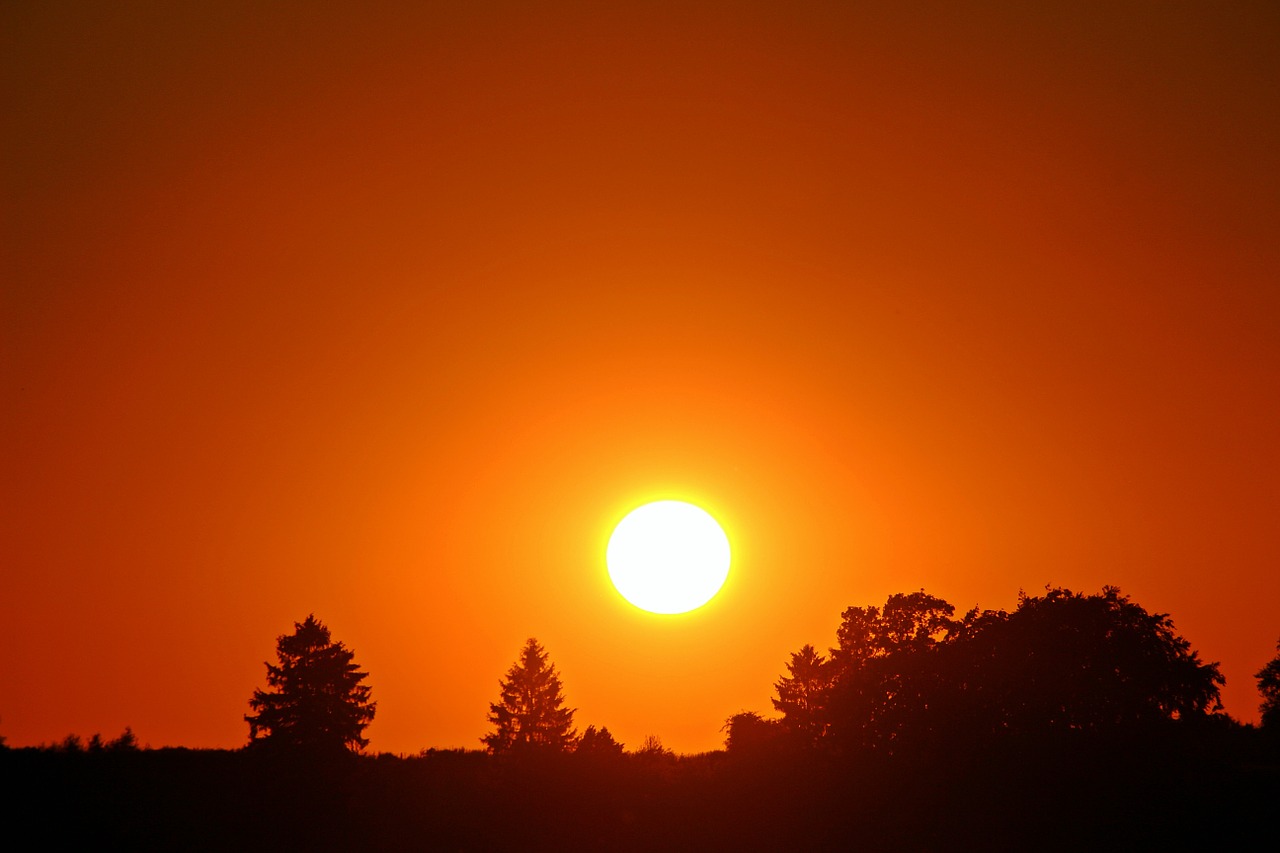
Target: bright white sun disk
[(668, 557)]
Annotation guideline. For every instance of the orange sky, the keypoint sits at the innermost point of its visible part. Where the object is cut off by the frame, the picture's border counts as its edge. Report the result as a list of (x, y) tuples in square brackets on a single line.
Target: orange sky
[(388, 313)]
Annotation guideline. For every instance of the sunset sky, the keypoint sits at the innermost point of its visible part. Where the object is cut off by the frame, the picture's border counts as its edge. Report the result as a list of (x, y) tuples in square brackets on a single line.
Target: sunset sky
[(387, 312)]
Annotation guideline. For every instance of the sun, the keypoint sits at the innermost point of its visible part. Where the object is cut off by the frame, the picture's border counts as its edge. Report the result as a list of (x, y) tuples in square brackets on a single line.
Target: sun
[(668, 557)]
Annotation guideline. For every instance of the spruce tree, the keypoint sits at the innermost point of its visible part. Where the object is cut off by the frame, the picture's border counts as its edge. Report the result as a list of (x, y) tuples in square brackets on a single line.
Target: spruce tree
[(316, 701), (530, 713), (804, 694)]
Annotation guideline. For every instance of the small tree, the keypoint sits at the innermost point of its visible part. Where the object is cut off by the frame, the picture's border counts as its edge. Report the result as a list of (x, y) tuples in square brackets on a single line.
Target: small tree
[(530, 712), (748, 733), (1269, 686), (316, 701), (653, 750), (127, 742), (598, 742), (70, 743)]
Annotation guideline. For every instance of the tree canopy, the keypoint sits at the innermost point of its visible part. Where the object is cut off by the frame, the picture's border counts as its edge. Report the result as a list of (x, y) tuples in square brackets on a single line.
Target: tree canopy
[(911, 674), (802, 695), (1080, 661), (599, 742), (1269, 686), (530, 712), (315, 701)]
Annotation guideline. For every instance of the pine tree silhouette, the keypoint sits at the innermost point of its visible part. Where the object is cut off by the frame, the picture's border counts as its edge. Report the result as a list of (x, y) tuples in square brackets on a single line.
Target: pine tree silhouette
[(530, 712), (316, 701)]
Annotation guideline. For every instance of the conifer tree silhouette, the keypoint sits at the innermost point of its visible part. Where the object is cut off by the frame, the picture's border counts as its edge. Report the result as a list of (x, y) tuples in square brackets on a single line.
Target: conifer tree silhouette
[(803, 693), (316, 702), (530, 712)]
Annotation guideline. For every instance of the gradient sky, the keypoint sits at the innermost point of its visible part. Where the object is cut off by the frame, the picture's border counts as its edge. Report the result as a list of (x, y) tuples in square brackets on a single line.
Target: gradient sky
[(388, 312)]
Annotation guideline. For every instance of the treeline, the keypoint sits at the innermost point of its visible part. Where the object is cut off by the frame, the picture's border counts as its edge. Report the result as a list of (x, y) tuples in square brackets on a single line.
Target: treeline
[(912, 677), (909, 676), (1072, 721)]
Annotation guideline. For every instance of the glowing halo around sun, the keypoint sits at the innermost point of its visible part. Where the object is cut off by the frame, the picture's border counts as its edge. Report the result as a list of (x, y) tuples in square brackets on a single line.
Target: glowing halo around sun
[(668, 557)]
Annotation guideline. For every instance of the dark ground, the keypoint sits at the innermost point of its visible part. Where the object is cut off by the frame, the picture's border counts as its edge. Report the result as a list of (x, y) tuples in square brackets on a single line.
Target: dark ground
[(1215, 790)]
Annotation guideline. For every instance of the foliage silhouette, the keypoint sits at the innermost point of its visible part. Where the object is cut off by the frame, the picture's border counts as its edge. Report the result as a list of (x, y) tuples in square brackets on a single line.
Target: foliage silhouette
[(125, 743), (598, 742), (748, 733), (909, 622), (910, 676), (1073, 722), (804, 693), (1269, 686), (530, 712), (316, 702), (653, 750), (1082, 662)]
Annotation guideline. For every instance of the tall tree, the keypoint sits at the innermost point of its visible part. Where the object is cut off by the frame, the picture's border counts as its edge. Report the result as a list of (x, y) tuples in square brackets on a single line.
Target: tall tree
[(530, 712), (1269, 686), (315, 701), (882, 668), (802, 695), (1075, 661), (1064, 661)]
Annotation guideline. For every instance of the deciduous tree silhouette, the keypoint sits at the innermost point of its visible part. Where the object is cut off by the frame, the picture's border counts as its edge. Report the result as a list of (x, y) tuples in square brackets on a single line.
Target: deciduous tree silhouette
[(1269, 686), (748, 733), (1084, 662), (530, 713), (914, 621), (911, 675), (316, 701), (881, 668), (652, 750)]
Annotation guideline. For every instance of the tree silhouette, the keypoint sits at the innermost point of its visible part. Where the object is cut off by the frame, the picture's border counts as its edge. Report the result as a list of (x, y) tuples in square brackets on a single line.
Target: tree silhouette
[(598, 742), (316, 702), (881, 669), (913, 621), (1269, 686), (910, 675), (803, 695), (127, 742), (652, 750), (530, 713), (1084, 662), (748, 733)]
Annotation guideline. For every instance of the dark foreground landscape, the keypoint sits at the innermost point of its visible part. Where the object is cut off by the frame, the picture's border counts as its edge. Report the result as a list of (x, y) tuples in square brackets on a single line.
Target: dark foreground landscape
[(1215, 788), (1074, 722)]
